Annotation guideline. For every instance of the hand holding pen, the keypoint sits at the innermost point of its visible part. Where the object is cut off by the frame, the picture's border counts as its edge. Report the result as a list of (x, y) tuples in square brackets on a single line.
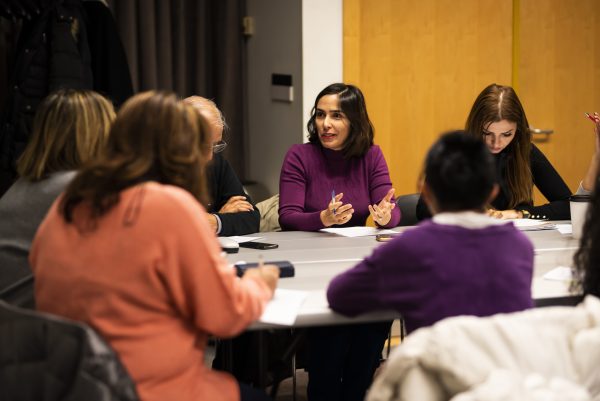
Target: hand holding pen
[(337, 212), (269, 274)]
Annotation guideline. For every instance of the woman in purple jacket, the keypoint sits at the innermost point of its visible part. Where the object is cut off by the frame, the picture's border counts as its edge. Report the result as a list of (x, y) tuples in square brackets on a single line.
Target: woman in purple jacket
[(461, 262), (340, 176)]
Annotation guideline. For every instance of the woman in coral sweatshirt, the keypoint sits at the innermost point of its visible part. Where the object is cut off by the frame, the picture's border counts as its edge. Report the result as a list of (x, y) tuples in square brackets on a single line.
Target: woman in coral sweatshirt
[(128, 250)]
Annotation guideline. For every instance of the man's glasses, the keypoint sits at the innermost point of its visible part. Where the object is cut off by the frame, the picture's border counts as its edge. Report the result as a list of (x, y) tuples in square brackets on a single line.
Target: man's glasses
[(219, 146)]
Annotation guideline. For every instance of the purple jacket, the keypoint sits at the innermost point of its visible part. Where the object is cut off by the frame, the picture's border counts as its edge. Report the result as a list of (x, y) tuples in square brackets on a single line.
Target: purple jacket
[(436, 271), (309, 174)]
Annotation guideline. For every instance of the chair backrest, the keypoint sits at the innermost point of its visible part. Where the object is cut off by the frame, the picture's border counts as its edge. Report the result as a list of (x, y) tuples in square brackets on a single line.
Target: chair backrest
[(49, 358), (20, 293), (408, 208)]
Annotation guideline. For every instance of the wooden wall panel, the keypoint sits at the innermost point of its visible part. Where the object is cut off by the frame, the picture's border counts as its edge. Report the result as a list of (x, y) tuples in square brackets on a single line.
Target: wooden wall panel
[(420, 65), (560, 78), (351, 40)]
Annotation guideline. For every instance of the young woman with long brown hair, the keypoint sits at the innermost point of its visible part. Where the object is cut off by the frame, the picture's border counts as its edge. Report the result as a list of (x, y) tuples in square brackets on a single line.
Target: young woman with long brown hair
[(128, 249), (498, 118)]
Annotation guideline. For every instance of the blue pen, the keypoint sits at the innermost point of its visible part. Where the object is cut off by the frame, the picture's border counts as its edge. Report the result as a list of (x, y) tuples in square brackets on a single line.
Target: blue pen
[(333, 198)]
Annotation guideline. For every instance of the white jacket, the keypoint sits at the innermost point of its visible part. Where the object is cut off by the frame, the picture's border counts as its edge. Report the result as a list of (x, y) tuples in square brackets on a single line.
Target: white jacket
[(539, 354)]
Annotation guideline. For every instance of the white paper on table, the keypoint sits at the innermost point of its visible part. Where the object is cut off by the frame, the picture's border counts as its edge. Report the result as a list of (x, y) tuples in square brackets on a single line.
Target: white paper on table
[(284, 307), (564, 228), (357, 231), (532, 224), (240, 239), (560, 273)]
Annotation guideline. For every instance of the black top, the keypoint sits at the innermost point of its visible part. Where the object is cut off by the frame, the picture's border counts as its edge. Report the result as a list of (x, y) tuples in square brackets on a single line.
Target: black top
[(223, 185), (545, 178)]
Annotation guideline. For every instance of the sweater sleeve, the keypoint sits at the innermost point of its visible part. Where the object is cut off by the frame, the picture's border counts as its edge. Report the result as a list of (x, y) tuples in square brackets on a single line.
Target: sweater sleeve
[(292, 190), (380, 183), (551, 185), (363, 288), (203, 287), (224, 185), (356, 290)]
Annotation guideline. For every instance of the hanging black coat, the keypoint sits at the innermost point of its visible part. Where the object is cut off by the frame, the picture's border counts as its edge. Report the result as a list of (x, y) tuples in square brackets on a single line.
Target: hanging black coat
[(69, 44)]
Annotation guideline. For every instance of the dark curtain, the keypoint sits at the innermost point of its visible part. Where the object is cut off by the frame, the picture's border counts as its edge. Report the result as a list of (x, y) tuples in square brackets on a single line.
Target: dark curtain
[(9, 32), (191, 47)]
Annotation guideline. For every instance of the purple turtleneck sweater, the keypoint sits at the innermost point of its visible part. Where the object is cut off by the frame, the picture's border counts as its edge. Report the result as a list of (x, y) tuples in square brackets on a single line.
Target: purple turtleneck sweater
[(436, 271), (309, 174)]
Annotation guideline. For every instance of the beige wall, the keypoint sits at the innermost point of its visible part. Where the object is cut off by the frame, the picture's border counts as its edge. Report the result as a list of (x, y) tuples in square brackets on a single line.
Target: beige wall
[(422, 63)]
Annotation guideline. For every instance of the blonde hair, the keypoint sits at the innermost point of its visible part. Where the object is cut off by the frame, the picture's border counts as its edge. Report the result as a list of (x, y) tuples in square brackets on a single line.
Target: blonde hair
[(208, 109), (70, 128)]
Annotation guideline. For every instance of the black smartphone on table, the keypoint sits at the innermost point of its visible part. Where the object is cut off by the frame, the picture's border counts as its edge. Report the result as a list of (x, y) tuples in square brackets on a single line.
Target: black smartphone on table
[(286, 268), (258, 245)]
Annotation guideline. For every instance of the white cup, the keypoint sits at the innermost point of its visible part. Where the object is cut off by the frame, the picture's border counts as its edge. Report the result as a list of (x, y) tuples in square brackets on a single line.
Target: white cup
[(579, 205)]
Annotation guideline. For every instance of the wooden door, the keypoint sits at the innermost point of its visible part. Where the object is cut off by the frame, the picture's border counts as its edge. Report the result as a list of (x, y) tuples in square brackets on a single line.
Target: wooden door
[(420, 65), (559, 78)]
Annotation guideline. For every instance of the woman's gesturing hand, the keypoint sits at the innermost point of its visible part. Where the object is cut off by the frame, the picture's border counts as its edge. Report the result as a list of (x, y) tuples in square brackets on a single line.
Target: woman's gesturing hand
[(336, 213), (382, 212)]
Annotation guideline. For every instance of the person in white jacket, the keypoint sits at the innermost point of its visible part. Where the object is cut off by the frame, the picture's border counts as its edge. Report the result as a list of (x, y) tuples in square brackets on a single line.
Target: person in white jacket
[(539, 354)]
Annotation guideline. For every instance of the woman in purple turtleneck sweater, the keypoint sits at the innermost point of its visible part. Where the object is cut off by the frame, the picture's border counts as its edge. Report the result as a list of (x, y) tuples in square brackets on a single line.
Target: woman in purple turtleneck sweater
[(340, 158), (339, 178)]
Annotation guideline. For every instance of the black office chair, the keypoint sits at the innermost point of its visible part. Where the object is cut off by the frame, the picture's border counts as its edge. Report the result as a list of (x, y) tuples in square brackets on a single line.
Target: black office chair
[(19, 293), (48, 358), (408, 209)]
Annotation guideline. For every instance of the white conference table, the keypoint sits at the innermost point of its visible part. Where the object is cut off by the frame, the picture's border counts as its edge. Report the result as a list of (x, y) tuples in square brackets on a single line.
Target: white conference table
[(318, 257)]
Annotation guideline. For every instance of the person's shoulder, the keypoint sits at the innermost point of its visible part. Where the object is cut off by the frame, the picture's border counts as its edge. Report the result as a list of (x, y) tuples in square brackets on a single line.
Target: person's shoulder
[(421, 235), (374, 154), (39, 192), (411, 244), (61, 178), (301, 151), (374, 149), (303, 148), (536, 154), (220, 161), (510, 233), (169, 199), (165, 211)]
